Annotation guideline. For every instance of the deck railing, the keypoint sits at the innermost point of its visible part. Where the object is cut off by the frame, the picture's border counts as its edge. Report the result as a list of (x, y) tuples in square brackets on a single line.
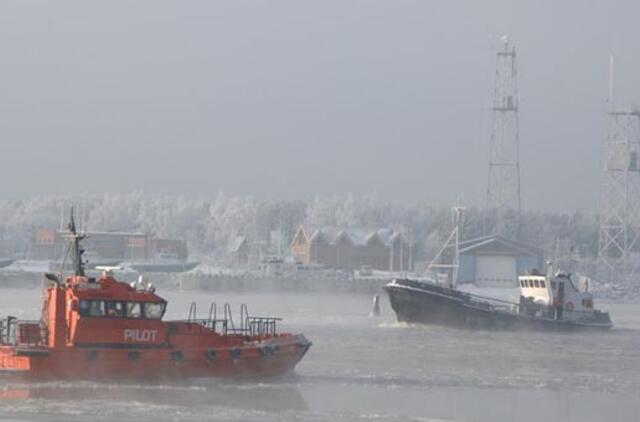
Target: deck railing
[(248, 325), (529, 308), (16, 332)]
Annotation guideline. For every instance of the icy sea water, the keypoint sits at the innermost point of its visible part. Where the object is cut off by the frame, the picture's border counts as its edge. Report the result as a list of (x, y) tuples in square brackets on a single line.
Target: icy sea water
[(368, 369)]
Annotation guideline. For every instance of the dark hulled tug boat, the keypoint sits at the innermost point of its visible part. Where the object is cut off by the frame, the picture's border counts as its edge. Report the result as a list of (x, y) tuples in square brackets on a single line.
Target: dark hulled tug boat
[(547, 302), (101, 328), (550, 302)]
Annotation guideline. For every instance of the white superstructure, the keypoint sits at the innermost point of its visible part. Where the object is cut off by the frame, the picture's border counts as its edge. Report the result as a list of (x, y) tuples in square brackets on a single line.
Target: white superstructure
[(556, 290)]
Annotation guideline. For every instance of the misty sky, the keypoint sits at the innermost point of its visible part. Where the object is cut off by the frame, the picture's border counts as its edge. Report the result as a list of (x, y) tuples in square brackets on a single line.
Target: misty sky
[(283, 99)]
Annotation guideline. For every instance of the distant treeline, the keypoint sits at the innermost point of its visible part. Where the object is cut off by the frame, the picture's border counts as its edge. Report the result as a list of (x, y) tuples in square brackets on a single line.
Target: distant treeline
[(210, 224)]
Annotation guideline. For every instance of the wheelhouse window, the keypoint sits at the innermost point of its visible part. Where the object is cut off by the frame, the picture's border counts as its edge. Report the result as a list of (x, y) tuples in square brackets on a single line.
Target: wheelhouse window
[(543, 284), (83, 307), (154, 310), (134, 310), (115, 309), (91, 308), (96, 308), (121, 309), (537, 284)]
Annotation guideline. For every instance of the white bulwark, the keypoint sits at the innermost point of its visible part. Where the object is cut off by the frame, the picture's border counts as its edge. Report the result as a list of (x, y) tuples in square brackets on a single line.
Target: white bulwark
[(494, 261)]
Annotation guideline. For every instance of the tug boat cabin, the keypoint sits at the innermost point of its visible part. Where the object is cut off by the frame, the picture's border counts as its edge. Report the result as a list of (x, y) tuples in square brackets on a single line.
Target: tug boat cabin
[(558, 297)]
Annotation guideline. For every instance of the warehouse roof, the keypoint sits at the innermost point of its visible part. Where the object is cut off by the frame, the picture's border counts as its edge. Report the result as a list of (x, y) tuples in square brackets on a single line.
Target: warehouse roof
[(498, 244)]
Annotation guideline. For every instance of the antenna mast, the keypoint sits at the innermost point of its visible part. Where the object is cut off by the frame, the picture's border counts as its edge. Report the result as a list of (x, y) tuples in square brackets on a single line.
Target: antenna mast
[(450, 251), (620, 207), (503, 207), (78, 265)]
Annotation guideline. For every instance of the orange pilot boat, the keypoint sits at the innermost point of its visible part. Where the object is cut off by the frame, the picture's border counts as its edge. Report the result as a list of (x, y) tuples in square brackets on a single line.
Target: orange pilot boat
[(100, 328)]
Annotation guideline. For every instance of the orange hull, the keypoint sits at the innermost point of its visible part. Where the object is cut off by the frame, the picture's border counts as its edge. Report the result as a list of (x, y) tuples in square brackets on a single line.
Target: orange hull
[(271, 357)]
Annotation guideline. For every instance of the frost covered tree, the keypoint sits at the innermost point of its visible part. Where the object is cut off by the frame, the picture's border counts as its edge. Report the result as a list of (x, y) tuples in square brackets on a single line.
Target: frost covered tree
[(209, 224)]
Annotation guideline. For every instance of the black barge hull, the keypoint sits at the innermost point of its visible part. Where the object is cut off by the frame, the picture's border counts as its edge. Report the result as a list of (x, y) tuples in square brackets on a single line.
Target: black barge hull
[(425, 303)]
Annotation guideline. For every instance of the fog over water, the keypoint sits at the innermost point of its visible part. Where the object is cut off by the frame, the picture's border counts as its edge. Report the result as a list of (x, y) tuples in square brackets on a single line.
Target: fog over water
[(283, 99), (161, 103), (361, 368)]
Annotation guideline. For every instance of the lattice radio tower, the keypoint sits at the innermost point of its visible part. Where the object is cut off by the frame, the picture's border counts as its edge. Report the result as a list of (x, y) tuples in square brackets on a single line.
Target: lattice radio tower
[(503, 192), (620, 207)]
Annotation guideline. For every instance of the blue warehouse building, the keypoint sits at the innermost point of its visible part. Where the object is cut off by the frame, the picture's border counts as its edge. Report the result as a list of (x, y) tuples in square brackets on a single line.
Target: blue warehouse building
[(494, 261)]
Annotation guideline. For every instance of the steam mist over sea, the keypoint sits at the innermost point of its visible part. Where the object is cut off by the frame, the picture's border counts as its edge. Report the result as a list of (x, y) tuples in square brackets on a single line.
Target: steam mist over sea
[(362, 368), (216, 131)]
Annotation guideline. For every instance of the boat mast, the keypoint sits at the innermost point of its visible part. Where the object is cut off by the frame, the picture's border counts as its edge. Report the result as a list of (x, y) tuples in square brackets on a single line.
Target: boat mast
[(78, 265), (450, 250)]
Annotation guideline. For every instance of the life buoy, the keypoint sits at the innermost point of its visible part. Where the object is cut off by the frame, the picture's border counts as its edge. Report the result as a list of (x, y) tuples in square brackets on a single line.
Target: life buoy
[(569, 306)]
